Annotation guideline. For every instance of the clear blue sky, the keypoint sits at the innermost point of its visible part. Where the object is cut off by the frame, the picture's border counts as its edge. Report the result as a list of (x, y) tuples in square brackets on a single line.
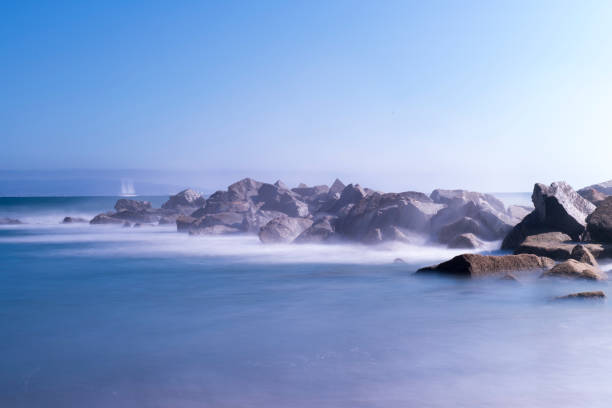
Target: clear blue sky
[(486, 95)]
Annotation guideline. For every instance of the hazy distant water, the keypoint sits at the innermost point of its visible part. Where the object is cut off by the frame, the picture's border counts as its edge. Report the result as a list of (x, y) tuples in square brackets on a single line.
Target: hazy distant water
[(111, 317)]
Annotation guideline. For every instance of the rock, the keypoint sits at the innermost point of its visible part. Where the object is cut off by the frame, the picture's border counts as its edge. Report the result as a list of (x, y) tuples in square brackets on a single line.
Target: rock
[(272, 198), (185, 202), (280, 184), (390, 214), (322, 230), (106, 219), (243, 190), (558, 208), (596, 295), (561, 208), (220, 202), (184, 222), (605, 187), (9, 221), (555, 245), (465, 241), (518, 212), (482, 220), (124, 204), (167, 220), (582, 254), (73, 220), (592, 195), (457, 198), (336, 187), (572, 269), (399, 261), (350, 196), (475, 266), (283, 229), (599, 223)]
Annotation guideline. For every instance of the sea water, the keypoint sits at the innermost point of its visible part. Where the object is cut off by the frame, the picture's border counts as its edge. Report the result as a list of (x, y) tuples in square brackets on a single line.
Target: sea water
[(104, 316)]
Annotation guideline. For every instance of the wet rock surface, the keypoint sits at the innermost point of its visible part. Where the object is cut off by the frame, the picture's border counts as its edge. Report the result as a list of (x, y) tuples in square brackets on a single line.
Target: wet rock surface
[(475, 265)]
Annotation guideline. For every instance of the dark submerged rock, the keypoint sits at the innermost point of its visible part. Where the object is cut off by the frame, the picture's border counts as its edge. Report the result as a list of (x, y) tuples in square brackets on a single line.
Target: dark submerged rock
[(475, 265), (73, 220), (593, 295), (9, 221)]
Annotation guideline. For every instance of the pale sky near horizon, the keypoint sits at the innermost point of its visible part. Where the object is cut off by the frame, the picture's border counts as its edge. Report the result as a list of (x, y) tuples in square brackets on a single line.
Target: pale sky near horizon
[(398, 95)]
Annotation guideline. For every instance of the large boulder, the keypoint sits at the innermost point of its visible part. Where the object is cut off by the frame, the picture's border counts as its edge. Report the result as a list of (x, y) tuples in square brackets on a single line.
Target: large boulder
[(124, 204), (243, 190), (555, 245), (322, 230), (561, 208), (283, 229), (599, 223), (465, 241), (336, 187), (604, 188), (379, 217), (185, 202), (351, 195), (572, 269), (458, 198), (273, 198), (106, 218), (475, 266), (592, 195), (558, 208)]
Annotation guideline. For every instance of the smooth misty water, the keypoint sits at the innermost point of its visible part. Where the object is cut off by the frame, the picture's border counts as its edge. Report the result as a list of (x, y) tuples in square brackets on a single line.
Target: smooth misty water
[(94, 316)]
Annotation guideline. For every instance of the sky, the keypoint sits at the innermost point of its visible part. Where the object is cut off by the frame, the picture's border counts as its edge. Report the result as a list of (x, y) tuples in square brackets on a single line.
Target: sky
[(396, 95)]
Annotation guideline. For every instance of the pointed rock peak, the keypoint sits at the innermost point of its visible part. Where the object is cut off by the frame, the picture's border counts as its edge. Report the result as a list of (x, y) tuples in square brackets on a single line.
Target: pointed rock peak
[(336, 187), (280, 184)]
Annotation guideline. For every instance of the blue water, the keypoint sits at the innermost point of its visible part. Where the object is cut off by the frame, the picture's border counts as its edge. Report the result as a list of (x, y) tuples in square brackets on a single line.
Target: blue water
[(96, 316)]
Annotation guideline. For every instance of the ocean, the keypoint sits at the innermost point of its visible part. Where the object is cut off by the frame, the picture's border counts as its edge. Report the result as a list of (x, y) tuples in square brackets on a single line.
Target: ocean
[(105, 316)]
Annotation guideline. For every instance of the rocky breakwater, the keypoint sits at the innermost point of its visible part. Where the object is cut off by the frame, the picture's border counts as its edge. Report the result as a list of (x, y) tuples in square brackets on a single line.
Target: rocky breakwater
[(129, 212), (561, 220)]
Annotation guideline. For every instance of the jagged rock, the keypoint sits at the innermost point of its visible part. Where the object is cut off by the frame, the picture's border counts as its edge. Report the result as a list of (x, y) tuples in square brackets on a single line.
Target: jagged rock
[(482, 220), (582, 254), (555, 245), (124, 204), (336, 187), (220, 202), (599, 223), (321, 230), (185, 202), (465, 241), (592, 195), (350, 196), (595, 295), (518, 212), (457, 198), (106, 219), (243, 190), (557, 208), (474, 265), (73, 220), (9, 221), (382, 216), (283, 229), (272, 198), (280, 184), (561, 208), (572, 269)]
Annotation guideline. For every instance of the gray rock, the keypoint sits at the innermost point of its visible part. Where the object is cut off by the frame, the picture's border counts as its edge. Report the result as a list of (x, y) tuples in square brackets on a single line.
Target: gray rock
[(482, 220), (322, 230), (185, 202), (572, 269), (599, 223), (272, 198), (243, 190), (106, 218), (73, 220), (283, 229), (456, 198), (592, 195), (124, 204), (557, 208), (350, 196), (336, 187), (475, 266), (465, 241)]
